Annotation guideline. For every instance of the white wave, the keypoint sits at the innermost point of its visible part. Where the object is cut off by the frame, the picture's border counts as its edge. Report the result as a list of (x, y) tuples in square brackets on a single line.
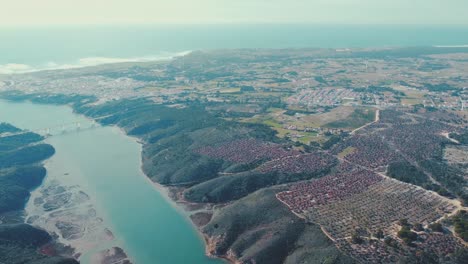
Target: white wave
[(15, 68), (451, 46)]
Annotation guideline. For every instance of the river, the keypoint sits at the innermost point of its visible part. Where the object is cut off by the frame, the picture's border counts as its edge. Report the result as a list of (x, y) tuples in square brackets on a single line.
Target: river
[(99, 169)]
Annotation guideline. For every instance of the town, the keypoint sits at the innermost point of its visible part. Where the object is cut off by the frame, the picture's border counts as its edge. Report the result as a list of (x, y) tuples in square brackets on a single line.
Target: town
[(367, 144)]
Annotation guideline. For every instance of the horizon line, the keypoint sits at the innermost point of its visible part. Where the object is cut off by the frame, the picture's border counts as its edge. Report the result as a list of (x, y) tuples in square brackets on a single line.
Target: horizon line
[(218, 24)]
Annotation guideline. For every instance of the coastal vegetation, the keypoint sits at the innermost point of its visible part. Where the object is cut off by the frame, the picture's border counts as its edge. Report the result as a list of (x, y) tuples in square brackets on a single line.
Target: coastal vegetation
[(26, 155), (20, 243), (15, 186), (18, 149), (20, 172)]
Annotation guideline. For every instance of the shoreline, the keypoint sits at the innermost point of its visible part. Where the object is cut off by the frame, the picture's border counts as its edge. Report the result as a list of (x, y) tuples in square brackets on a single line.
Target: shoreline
[(164, 191), (86, 62), (81, 249), (177, 205)]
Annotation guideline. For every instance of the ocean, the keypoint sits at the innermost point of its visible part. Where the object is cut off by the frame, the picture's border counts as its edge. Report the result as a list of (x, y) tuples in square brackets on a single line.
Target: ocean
[(29, 49)]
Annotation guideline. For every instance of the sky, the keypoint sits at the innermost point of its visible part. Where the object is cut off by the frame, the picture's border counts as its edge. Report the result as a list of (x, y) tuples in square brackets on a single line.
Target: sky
[(110, 12)]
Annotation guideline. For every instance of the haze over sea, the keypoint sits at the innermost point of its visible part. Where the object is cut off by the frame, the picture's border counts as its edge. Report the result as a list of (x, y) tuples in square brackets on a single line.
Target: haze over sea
[(28, 49)]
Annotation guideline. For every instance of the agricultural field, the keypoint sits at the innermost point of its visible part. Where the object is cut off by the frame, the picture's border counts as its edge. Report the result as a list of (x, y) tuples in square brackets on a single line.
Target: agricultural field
[(306, 127), (359, 117), (411, 96), (321, 119)]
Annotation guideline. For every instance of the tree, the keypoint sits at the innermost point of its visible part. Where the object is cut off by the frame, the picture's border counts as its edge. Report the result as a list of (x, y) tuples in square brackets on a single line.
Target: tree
[(391, 242), (418, 227), (407, 235), (436, 227), (379, 234), (461, 255), (404, 222), (356, 239), (461, 224), (330, 260)]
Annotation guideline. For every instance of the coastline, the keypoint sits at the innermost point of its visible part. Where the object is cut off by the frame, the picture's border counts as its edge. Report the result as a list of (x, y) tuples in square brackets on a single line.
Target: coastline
[(178, 204), (66, 207), (164, 191), (85, 62)]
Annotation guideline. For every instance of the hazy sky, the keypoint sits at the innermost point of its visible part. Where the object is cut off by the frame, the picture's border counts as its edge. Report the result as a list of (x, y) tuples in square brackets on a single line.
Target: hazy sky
[(77, 12)]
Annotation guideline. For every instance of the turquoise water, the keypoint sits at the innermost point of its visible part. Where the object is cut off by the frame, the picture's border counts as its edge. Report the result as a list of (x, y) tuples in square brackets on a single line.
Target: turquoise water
[(107, 166), (39, 47)]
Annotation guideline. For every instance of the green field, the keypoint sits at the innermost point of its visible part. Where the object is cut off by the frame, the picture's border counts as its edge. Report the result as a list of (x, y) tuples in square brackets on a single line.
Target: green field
[(357, 119)]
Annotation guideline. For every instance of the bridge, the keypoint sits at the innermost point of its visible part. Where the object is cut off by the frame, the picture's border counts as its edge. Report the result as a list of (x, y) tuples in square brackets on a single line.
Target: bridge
[(60, 129)]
